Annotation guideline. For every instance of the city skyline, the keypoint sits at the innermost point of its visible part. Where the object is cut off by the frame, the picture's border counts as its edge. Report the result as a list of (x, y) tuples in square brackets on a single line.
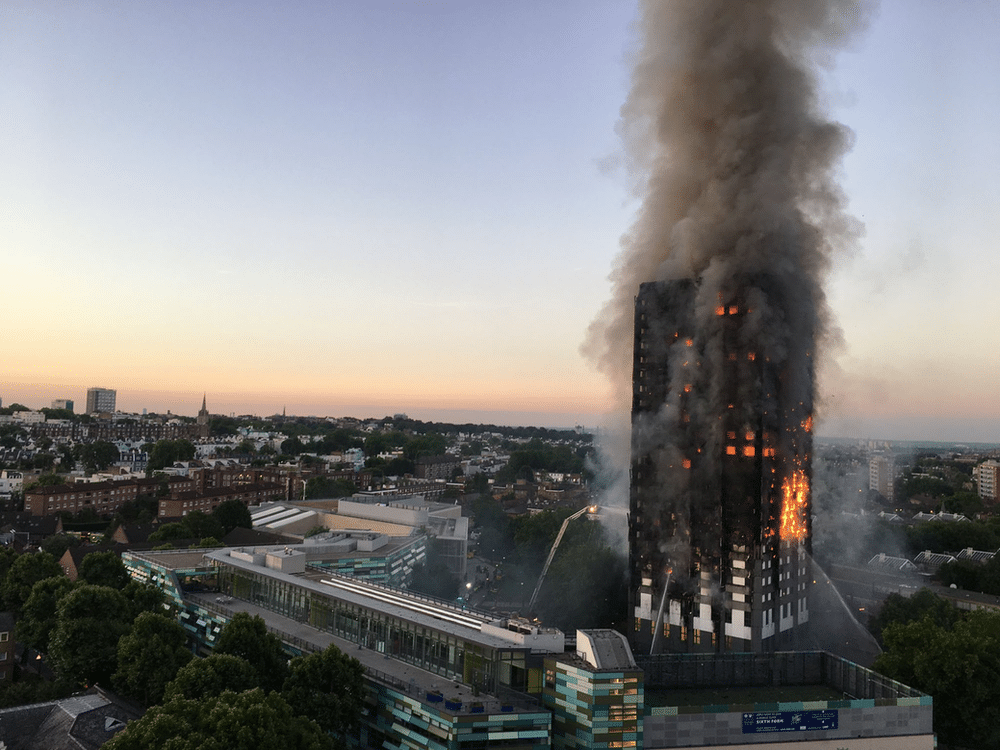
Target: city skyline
[(386, 208)]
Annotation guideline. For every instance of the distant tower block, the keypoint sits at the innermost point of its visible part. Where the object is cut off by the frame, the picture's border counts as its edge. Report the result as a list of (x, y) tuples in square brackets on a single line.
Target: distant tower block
[(719, 522), (882, 475), (101, 400)]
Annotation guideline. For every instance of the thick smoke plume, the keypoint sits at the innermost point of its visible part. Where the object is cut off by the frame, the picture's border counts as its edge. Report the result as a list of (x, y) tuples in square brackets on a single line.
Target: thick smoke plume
[(735, 161)]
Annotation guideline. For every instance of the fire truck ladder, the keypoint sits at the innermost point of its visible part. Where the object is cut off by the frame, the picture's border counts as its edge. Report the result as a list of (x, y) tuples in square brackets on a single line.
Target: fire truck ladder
[(552, 552)]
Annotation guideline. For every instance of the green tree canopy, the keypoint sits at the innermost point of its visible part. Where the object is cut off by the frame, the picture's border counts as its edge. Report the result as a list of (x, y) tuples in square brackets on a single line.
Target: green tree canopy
[(211, 676), (104, 569), (7, 558), (901, 610), (293, 446), (84, 643), (584, 588), (496, 533), (539, 456), (149, 657), (535, 533), (232, 513), (144, 597), (200, 524), (325, 487), (165, 452), (46, 480), (247, 637), (958, 666), (170, 531), (972, 576), (429, 444), (253, 720), (38, 616), (58, 413), (327, 687), (57, 544), (27, 570), (952, 537), (96, 456)]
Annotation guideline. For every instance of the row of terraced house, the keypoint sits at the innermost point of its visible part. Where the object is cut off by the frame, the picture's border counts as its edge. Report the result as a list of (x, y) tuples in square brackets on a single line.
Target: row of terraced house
[(183, 495)]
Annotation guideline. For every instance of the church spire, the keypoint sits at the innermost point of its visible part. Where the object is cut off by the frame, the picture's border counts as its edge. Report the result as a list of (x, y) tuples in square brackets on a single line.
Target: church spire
[(203, 416)]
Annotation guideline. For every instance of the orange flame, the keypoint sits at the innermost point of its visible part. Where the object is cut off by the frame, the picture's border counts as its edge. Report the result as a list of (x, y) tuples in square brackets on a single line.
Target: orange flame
[(795, 495)]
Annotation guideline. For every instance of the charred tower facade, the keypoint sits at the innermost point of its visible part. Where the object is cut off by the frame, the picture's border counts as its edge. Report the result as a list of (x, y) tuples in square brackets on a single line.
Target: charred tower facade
[(719, 522)]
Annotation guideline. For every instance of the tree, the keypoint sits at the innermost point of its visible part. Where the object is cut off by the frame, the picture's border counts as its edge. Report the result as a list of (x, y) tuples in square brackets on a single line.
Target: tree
[(7, 559), (165, 452), (38, 616), (253, 719), (324, 487), (494, 525), (901, 610), (398, 467), (104, 569), (584, 588), (199, 524), (150, 656), (57, 544), (472, 448), (43, 461), (327, 687), (247, 637), (211, 676), (97, 455), (66, 460), (293, 446), (535, 533), (51, 414), (959, 666), (246, 447), (144, 597), (84, 643), (170, 531), (232, 513), (971, 576), (430, 444), (46, 480), (375, 443), (27, 570)]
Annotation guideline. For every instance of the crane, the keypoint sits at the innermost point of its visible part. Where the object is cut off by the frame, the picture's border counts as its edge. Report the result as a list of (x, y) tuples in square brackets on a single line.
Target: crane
[(555, 546)]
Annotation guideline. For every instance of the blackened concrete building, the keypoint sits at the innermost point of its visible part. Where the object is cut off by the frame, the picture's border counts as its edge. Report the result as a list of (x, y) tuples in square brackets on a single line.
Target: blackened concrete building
[(719, 524)]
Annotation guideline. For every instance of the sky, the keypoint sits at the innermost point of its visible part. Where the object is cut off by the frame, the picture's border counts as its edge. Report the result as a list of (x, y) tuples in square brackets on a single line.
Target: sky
[(371, 207)]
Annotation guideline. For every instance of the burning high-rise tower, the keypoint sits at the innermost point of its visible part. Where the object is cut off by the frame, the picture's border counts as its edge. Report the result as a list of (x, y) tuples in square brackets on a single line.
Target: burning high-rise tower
[(718, 517), (718, 305)]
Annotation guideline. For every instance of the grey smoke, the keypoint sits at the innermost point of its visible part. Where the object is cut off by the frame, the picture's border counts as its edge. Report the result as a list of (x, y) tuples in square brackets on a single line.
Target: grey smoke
[(735, 162)]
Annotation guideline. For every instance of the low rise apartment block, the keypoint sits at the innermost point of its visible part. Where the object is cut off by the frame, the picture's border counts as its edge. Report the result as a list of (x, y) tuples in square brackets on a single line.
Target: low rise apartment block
[(103, 497), (206, 501)]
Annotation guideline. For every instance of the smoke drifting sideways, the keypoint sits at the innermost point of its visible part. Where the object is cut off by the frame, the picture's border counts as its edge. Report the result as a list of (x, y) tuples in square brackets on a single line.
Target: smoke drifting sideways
[(735, 164)]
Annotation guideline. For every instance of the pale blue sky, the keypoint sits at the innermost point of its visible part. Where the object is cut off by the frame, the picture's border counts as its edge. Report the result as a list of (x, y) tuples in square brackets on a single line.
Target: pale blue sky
[(369, 207)]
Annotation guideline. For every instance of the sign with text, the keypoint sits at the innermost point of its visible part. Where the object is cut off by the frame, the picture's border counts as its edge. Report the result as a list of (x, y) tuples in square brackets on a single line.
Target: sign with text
[(759, 722)]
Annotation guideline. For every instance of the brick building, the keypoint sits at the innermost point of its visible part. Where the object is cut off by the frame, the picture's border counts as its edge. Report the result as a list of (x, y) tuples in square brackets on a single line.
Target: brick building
[(208, 500), (103, 497), (436, 467)]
